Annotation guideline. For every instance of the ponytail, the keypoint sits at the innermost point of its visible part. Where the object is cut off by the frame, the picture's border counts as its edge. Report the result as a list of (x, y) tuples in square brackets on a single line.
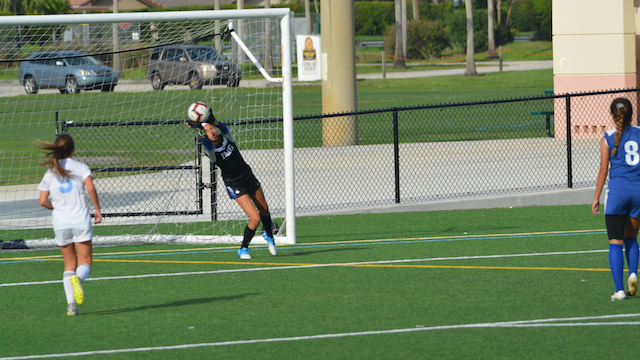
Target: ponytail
[(61, 148), (622, 111)]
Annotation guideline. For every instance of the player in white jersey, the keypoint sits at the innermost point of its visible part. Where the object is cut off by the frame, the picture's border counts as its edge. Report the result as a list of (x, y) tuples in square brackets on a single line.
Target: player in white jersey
[(62, 190), (620, 148)]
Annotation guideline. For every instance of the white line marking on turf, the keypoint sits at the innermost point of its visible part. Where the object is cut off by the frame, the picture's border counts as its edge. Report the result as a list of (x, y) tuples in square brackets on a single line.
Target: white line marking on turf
[(308, 266), (555, 322)]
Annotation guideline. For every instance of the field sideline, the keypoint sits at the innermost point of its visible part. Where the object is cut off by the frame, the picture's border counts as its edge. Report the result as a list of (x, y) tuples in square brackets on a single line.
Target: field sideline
[(521, 283)]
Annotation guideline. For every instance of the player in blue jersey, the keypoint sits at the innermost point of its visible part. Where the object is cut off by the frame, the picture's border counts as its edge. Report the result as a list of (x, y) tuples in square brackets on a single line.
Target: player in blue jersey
[(62, 190), (241, 183), (620, 148)]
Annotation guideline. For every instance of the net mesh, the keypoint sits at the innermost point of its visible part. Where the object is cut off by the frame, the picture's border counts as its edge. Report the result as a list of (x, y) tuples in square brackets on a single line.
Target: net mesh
[(96, 81)]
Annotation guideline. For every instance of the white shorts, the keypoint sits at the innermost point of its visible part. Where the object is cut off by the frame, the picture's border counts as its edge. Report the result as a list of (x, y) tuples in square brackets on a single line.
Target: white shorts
[(65, 237)]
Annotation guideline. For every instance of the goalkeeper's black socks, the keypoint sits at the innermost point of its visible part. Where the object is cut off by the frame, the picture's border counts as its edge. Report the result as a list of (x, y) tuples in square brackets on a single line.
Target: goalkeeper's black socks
[(266, 224), (248, 235)]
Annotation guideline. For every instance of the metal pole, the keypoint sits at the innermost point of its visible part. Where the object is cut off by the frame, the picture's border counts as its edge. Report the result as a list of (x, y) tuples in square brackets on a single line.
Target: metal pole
[(287, 109), (199, 174), (214, 190), (569, 171), (396, 154)]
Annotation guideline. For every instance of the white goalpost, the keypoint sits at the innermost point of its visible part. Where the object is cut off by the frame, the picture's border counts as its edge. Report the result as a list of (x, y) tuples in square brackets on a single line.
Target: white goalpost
[(120, 84)]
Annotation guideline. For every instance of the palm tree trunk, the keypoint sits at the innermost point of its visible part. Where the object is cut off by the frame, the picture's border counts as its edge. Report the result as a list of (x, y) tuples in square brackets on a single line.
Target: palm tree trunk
[(398, 60), (471, 62), (509, 12), (491, 29)]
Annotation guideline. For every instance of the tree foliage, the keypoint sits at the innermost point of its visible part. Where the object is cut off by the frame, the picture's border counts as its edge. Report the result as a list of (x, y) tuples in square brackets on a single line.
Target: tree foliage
[(373, 18), (35, 7), (425, 39)]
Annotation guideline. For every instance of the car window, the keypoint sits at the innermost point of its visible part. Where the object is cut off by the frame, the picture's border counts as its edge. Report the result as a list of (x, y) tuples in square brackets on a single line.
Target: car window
[(85, 60), (179, 53), (168, 54), (205, 54), (156, 54)]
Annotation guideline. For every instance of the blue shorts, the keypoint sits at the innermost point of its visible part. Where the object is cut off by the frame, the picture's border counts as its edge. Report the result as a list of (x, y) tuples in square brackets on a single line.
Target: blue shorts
[(622, 202)]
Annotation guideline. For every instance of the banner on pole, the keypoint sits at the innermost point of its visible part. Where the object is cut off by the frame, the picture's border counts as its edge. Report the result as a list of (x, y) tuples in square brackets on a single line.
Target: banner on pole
[(309, 64)]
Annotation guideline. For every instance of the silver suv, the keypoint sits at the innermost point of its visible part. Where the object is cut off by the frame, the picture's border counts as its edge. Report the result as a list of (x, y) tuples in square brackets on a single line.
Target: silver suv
[(195, 65)]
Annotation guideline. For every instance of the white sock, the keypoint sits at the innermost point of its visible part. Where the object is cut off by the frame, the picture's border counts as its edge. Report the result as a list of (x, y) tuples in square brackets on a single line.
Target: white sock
[(68, 288), (83, 271)]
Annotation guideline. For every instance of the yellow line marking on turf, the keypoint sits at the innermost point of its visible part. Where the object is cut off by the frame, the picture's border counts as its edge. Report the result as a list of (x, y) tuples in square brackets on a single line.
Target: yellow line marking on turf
[(347, 265)]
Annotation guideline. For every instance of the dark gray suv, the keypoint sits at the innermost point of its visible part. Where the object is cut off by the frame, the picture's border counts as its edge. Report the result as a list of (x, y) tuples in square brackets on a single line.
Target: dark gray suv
[(195, 65)]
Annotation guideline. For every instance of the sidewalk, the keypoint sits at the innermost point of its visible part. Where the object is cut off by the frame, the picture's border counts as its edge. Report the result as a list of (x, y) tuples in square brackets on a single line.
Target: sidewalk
[(481, 68)]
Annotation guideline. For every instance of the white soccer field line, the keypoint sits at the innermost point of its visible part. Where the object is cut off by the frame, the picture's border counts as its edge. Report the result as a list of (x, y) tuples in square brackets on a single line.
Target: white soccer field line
[(536, 323)]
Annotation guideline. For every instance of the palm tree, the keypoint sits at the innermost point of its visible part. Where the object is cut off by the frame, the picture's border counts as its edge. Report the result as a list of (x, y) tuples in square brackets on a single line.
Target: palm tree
[(471, 62), (491, 29), (398, 60)]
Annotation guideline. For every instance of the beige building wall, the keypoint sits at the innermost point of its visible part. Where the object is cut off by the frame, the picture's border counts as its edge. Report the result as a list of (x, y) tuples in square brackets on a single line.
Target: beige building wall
[(594, 49)]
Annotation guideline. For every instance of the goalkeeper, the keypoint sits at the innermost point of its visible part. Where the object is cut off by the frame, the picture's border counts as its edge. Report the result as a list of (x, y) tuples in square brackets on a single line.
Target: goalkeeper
[(241, 183)]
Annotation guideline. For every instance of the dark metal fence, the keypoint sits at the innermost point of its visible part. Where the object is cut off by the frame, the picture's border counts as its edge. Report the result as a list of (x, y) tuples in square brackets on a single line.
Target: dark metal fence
[(450, 151)]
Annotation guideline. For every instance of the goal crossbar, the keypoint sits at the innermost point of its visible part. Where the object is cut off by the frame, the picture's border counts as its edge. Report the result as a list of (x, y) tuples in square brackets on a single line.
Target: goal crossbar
[(26, 20)]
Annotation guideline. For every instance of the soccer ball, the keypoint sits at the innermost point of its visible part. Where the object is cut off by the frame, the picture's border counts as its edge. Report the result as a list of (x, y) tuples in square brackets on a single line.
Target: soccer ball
[(198, 112)]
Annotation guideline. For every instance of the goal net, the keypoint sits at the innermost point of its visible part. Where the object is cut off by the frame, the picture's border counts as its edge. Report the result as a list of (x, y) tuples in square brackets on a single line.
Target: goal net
[(120, 85)]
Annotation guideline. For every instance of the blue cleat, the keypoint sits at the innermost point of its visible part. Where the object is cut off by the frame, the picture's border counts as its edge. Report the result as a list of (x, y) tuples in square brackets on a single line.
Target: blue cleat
[(243, 253), (271, 242)]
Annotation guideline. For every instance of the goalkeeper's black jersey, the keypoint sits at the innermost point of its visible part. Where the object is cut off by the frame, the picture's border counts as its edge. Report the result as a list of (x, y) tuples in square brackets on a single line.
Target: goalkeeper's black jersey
[(228, 158)]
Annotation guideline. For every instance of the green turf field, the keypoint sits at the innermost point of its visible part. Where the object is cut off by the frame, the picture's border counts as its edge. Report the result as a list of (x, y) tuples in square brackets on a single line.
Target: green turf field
[(521, 283)]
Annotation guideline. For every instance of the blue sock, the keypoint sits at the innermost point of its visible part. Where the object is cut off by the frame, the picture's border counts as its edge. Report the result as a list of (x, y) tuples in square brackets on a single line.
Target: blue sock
[(631, 250), (616, 263)]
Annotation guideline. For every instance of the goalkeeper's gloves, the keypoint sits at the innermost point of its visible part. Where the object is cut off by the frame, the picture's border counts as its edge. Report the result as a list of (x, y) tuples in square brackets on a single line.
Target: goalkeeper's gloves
[(212, 119), (193, 125)]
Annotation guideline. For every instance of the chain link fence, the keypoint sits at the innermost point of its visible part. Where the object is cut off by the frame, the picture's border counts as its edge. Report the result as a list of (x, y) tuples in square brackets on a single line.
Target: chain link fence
[(450, 151)]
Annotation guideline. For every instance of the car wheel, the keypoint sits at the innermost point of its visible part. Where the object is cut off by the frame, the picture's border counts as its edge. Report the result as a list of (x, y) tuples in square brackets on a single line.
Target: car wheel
[(107, 88), (235, 82), (71, 85), (194, 82), (156, 82), (30, 85)]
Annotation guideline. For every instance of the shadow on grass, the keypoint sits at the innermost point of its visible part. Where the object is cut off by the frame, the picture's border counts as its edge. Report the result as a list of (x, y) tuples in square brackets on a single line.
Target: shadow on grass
[(303, 253), (172, 304)]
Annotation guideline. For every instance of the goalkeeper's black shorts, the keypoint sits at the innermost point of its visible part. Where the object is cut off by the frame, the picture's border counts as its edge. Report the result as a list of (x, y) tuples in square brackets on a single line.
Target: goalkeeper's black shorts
[(238, 188)]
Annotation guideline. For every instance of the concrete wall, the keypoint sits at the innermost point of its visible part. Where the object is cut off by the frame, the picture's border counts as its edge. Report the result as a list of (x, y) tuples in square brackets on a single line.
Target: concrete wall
[(594, 49)]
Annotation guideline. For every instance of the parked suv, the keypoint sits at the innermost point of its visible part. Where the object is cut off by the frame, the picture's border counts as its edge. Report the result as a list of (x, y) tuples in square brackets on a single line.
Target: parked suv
[(195, 65), (67, 71)]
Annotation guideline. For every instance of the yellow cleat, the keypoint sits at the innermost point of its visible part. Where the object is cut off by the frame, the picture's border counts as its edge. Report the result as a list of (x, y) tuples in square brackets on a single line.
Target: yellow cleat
[(78, 293)]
